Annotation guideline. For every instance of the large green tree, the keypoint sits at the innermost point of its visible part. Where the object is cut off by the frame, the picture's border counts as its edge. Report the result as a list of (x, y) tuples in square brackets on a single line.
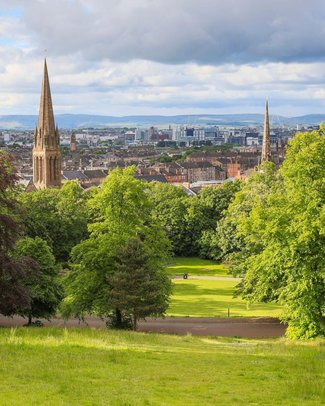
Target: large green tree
[(214, 202), (139, 286), (58, 216), (170, 206), (45, 289), (14, 295), (282, 224), (122, 212), (190, 221)]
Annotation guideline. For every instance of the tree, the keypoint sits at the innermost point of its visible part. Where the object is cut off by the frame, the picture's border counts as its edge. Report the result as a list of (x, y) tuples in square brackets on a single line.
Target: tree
[(229, 243), (190, 222), (282, 223), (215, 201), (14, 295), (45, 290), (139, 286), (169, 209), (122, 212), (58, 216)]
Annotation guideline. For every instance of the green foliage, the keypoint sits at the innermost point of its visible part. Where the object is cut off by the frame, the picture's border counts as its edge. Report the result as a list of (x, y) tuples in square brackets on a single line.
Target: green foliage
[(165, 159), (139, 286), (279, 217), (121, 214), (13, 293), (215, 201), (209, 245), (169, 209), (190, 222), (58, 216), (46, 292)]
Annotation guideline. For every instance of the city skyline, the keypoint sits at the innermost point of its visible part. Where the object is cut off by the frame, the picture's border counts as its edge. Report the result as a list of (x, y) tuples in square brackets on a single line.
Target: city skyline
[(128, 58)]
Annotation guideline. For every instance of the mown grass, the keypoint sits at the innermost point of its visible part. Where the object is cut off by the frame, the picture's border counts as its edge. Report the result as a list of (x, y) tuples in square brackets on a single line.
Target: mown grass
[(211, 298), (196, 266), (53, 366)]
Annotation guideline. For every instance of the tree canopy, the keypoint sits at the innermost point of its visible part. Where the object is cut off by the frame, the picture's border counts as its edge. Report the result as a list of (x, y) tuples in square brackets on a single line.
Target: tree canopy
[(279, 217), (125, 244), (58, 216), (46, 291), (14, 295), (190, 221)]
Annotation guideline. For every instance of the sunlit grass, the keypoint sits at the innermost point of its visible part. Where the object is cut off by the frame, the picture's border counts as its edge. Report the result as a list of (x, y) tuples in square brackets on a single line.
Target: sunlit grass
[(196, 266), (211, 298), (52, 366)]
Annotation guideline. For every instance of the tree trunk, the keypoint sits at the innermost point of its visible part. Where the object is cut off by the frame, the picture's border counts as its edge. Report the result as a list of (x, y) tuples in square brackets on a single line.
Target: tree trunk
[(135, 322), (29, 320), (118, 317)]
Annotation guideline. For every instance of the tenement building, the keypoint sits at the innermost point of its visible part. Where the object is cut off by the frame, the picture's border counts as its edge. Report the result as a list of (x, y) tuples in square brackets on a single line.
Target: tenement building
[(46, 150)]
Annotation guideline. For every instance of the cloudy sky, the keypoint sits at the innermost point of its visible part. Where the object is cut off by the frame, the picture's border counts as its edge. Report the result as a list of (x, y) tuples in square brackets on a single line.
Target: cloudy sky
[(121, 57)]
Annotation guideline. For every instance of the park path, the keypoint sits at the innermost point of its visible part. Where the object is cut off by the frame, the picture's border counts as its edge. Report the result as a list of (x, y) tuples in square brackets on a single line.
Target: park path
[(208, 278), (196, 326)]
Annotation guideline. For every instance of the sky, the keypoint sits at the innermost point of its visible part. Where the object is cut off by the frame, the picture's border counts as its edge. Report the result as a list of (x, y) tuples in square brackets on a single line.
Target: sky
[(164, 57)]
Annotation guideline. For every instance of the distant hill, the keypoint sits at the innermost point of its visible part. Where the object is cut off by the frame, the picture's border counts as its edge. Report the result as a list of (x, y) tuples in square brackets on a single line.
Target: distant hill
[(87, 120)]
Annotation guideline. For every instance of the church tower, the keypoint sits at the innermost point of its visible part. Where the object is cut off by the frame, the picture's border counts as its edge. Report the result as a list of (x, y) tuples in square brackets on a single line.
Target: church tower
[(46, 151), (73, 143), (266, 147)]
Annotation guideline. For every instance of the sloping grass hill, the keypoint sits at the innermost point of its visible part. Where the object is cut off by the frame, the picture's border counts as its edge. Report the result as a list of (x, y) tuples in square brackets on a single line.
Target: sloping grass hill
[(53, 366)]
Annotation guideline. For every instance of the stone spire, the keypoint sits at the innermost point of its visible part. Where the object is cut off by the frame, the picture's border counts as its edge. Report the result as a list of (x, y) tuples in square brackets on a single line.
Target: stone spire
[(46, 151), (46, 116), (266, 148)]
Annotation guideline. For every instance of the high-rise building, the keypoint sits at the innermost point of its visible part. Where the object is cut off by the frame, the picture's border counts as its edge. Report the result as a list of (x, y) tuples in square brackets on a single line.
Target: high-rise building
[(46, 150), (266, 147)]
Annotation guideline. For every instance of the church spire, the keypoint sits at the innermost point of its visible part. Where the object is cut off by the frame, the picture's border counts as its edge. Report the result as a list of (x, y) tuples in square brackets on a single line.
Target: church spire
[(266, 147), (46, 151), (46, 116)]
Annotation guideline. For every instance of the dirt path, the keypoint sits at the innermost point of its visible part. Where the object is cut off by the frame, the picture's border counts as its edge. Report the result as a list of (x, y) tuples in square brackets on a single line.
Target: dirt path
[(197, 326)]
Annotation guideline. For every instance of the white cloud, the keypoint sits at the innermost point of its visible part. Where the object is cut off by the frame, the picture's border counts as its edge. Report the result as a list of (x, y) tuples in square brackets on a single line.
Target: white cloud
[(179, 31), (121, 57)]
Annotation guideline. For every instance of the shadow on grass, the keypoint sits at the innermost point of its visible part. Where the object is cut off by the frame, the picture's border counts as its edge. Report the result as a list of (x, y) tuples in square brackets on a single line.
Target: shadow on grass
[(190, 289)]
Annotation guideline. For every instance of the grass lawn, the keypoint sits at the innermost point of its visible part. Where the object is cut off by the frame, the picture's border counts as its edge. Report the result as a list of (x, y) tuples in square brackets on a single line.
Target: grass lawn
[(196, 266), (210, 298), (52, 366)]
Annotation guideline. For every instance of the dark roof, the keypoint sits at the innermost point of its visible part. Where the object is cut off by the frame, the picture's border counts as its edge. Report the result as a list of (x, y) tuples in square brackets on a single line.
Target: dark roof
[(95, 173), (165, 172), (198, 155), (151, 178), (70, 175), (89, 185), (173, 164), (193, 165), (223, 160)]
